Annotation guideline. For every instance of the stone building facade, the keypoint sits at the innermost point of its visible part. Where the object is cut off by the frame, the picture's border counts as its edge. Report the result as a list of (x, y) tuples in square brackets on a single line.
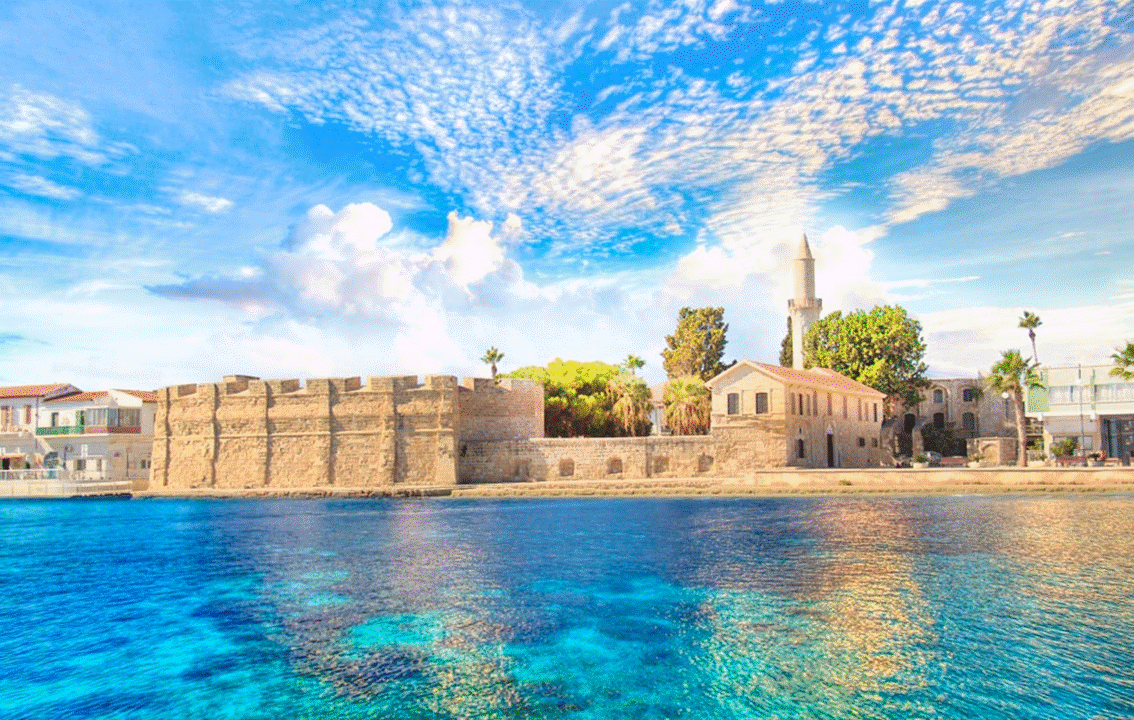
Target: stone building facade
[(815, 418), (250, 433)]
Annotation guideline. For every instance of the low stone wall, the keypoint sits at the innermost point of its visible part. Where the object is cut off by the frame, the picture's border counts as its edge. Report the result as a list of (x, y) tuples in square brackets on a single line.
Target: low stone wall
[(540, 459)]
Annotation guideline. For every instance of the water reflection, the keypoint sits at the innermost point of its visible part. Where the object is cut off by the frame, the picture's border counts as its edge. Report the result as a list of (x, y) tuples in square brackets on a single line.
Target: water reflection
[(836, 608)]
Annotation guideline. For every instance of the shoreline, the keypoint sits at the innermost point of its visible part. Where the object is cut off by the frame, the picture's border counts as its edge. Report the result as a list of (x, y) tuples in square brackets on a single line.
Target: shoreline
[(773, 483)]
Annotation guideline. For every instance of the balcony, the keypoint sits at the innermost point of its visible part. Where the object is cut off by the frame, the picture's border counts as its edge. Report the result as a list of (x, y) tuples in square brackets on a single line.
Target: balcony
[(60, 430)]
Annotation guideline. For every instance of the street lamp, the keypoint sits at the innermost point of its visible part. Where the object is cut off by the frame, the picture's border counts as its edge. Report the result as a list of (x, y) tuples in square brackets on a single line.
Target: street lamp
[(1082, 449)]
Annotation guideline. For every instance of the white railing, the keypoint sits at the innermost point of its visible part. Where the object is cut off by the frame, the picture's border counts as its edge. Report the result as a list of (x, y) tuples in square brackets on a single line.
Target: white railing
[(57, 482)]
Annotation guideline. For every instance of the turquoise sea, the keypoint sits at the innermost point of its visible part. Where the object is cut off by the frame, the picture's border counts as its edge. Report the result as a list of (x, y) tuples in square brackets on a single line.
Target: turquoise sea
[(964, 607)]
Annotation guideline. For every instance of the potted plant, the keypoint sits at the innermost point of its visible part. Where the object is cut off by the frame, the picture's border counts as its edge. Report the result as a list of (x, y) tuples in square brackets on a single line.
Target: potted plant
[(920, 461), (1097, 459), (974, 460)]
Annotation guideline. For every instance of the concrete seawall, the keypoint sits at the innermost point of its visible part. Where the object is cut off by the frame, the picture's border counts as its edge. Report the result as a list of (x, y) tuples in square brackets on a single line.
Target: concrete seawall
[(787, 482)]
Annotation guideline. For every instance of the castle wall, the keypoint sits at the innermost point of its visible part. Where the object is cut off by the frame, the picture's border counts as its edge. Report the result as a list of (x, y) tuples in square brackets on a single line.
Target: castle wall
[(248, 433), (508, 409), (736, 451)]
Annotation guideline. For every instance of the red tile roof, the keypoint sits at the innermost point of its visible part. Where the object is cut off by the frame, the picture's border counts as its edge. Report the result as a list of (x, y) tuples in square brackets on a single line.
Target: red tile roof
[(30, 391), (143, 395), (80, 396), (814, 377)]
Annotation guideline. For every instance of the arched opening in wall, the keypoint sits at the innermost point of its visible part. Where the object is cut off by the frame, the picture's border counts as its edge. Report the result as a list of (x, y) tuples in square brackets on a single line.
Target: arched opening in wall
[(910, 421), (938, 396), (521, 470), (705, 463), (566, 467), (661, 464), (614, 466)]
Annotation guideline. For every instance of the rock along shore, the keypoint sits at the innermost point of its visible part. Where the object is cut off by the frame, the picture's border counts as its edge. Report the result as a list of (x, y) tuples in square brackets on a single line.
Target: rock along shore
[(787, 482)]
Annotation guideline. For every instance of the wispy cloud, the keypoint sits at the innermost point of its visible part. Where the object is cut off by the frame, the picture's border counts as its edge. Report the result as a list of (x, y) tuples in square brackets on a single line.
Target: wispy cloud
[(36, 185), (208, 203)]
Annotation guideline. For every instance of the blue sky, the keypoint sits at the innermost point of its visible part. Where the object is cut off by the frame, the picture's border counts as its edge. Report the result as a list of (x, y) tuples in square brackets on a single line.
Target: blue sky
[(189, 190)]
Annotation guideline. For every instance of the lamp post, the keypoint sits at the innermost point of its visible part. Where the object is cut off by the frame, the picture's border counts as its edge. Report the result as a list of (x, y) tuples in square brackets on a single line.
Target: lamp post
[(1082, 449)]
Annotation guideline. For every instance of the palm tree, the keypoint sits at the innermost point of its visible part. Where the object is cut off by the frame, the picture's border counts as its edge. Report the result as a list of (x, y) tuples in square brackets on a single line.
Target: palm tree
[(491, 357), (687, 405), (1123, 363), (631, 408), (1013, 375), (1031, 321), (633, 363)]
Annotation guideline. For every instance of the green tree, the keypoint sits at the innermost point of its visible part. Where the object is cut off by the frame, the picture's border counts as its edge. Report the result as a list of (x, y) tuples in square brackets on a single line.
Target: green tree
[(631, 404), (1012, 374), (633, 363), (491, 357), (687, 405), (1123, 362), (881, 349), (577, 402), (1031, 321), (787, 355), (697, 346)]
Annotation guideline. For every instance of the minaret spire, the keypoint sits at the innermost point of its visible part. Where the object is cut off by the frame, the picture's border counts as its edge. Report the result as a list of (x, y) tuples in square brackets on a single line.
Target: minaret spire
[(804, 308)]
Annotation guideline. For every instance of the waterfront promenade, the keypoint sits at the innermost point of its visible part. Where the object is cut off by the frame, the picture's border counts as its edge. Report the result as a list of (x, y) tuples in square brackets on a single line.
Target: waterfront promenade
[(786, 482)]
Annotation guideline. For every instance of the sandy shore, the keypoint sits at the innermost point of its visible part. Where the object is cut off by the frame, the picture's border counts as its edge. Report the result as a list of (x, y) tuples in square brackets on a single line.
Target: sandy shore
[(889, 482)]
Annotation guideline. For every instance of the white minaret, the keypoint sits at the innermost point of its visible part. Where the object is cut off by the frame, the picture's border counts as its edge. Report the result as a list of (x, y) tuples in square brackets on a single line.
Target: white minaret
[(804, 308)]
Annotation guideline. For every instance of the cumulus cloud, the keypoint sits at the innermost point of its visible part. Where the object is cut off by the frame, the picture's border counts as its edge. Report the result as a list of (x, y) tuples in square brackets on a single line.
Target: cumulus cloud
[(339, 264)]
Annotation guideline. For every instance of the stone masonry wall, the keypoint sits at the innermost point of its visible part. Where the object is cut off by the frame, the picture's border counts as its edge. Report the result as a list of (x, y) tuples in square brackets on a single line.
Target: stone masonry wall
[(508, 409), (249, 433), (734, 452)]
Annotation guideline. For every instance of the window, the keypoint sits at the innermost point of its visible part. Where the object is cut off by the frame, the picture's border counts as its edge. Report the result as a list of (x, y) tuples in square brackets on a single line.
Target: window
[(806, 401), (860, 409), (968, 423), (968, 394), (761, 403), (939, 420), (5, 415), (734, 403), (862, 442), (815, 403), (829, 410), (800, 449), (54, 419), (873, 442), (875, 412), (27, 414), (845, 406), (938, 396)]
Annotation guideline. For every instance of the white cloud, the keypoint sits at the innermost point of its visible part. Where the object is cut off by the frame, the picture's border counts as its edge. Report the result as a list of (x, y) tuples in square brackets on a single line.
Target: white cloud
[(208, 203), (45, 126), (41, 186)]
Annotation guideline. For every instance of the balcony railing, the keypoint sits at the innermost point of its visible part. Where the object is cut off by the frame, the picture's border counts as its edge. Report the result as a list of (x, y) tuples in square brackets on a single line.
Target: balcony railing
[(60, 430), (89, 430)]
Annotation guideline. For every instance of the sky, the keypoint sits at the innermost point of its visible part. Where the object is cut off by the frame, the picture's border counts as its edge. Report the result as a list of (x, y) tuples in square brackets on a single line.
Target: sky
[(321, 189)]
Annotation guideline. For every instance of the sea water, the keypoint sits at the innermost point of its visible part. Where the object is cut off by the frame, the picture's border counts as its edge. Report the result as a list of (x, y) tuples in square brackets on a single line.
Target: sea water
[(966, 607)]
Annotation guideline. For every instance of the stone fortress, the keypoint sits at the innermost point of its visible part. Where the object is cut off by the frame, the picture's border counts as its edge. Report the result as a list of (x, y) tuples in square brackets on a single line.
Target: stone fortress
[(245, 433)]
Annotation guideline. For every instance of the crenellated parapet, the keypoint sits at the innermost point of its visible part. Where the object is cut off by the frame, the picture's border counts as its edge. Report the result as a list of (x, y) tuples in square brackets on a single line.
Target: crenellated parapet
[(244, 432)]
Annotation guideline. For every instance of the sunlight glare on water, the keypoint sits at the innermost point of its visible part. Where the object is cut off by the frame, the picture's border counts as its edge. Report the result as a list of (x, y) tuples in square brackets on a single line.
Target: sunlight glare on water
[(655, 608)]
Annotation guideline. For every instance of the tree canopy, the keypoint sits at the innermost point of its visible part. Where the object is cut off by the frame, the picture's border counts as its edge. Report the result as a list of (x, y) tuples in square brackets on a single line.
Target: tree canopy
[(697, 345), (1013, 375), (881, 348), (786, 352), (1123, 362), (687, 406), (589, 399)]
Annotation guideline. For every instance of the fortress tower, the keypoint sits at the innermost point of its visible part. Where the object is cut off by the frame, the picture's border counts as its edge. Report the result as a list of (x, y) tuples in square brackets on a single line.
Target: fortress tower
[(804, 308)]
